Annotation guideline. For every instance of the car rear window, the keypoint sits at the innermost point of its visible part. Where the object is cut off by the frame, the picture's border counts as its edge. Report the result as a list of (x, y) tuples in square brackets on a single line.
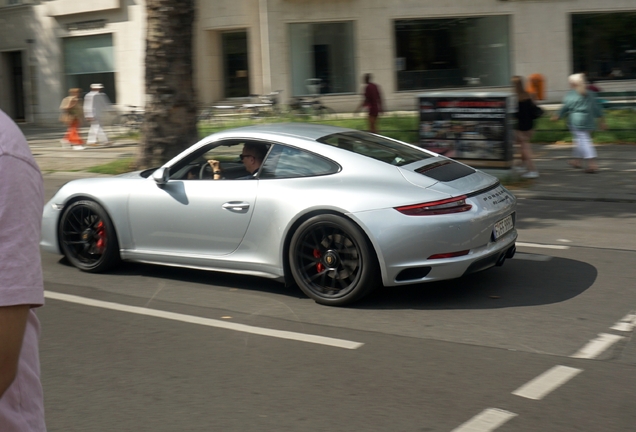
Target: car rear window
[(375, 147)]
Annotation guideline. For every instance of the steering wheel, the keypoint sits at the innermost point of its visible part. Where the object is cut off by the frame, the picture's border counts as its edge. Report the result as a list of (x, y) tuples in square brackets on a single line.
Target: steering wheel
[(205, 172)]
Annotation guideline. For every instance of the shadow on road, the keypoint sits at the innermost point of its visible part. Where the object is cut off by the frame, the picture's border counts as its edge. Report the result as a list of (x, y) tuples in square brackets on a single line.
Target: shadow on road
[(517, 283), (520, 282)]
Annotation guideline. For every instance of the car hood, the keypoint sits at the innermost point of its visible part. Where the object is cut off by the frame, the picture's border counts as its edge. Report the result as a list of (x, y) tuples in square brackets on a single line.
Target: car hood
[(447, 176)]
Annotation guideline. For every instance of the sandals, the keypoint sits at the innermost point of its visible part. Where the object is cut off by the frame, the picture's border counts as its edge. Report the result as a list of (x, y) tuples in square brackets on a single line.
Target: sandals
[(574, 164)]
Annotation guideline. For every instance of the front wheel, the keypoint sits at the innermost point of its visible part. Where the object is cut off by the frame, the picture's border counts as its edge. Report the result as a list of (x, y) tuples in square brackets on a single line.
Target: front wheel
[(332, 261), (87, 237), (325, 111)]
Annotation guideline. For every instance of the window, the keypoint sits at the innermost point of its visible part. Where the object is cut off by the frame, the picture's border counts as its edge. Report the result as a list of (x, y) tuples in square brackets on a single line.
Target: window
[(375, 147), (90, 59), (290, 162), (322, 58), (196, 166), (455, 52), (604, 45)]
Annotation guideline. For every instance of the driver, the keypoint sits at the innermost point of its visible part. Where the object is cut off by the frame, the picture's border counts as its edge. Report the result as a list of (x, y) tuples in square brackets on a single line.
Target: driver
[(252, 157)]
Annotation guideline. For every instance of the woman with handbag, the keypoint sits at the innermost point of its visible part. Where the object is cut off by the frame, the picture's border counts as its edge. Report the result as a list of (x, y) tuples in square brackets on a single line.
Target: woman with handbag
[(71, 108), (527, 113), (582, 108)]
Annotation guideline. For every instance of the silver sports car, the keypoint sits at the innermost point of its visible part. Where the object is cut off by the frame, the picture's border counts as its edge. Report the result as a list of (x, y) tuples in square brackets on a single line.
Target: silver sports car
[(337, 211)]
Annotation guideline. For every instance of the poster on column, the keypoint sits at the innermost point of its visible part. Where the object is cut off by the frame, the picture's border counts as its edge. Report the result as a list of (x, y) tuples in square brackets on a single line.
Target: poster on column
[(473, 127)]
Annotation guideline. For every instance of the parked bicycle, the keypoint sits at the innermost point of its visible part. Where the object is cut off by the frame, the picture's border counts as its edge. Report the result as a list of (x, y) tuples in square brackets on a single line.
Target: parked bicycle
[(131, 120), (311, 106), (266, 105)]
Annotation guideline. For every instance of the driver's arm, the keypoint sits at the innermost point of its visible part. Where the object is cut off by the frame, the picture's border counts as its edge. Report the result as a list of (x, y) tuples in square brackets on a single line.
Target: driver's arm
[(216, 169)]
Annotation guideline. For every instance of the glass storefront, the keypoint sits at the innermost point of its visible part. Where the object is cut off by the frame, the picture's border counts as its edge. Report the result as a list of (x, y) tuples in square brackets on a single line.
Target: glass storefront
[(88, 60), (452, 52), (604, 45), (322, 58)]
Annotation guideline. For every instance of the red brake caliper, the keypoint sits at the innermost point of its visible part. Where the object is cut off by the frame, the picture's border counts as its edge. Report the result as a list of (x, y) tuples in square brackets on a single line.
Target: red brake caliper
[(100, 230), (319, 267)]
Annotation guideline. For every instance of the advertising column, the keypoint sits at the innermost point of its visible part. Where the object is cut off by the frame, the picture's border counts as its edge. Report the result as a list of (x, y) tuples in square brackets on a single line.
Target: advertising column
[(472, 127)]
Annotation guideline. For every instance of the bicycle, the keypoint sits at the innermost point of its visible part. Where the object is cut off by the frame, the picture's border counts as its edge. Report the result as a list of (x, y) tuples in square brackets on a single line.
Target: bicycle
[(266, 105), (311, 106), (131, 120)]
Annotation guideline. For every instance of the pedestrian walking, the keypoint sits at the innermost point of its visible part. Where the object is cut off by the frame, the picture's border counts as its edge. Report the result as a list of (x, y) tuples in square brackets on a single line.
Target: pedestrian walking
[(582, 108), (21, 286), (372, 100), (527, 113), (71, 108), (96, 104)]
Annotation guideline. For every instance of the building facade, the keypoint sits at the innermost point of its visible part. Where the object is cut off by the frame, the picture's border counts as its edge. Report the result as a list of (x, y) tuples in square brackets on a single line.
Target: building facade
[(410, 46), (47, 47), (244, 47)]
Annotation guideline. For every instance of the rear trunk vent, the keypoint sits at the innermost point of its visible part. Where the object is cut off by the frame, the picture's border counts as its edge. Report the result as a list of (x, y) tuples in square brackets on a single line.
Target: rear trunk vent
[(445, 171)]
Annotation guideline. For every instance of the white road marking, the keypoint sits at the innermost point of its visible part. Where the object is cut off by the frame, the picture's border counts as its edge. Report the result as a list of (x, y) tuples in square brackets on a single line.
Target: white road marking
[(531, 257), (301, 337), (539, 387), (488, 420), (542, 246), (596, 346), (626, 324)]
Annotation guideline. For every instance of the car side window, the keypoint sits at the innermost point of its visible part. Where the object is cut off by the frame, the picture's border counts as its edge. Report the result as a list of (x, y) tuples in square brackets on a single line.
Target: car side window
[(290, 162)]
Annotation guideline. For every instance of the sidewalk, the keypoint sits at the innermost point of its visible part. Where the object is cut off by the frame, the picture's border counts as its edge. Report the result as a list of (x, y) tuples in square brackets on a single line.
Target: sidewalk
[(615, 181), (52, 158)]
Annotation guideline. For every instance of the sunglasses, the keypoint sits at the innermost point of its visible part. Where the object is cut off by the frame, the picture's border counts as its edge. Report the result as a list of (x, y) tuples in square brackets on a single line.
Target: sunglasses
[(243, 156)]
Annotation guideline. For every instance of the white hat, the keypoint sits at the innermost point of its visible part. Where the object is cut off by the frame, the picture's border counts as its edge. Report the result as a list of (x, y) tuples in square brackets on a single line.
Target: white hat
[(97, 86)]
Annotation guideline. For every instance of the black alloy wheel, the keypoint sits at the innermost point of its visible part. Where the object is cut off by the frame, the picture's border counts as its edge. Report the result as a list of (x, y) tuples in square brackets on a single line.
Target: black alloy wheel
[(332, 261), (87, 237)]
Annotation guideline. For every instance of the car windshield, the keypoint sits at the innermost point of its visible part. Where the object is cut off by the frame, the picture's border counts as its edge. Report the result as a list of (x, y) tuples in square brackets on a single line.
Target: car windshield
[(375, 147)]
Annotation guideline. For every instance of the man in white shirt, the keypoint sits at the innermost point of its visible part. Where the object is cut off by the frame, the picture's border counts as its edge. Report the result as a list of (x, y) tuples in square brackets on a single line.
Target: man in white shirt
[(95, 104)]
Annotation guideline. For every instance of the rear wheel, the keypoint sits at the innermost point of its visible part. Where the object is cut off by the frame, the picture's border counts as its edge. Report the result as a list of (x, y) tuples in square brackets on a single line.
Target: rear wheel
[(87, 237), (331, 260), (325, 111)]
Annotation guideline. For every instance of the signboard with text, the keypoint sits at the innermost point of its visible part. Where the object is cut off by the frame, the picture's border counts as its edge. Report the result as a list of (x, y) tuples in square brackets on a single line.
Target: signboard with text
[(474, 127)]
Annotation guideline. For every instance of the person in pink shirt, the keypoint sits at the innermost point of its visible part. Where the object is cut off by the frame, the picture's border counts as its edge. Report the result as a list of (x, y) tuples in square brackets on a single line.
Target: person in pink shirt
[(21, 286)]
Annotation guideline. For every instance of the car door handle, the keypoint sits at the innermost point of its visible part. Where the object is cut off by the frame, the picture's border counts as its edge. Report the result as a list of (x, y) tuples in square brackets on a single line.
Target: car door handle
[(236, 206)]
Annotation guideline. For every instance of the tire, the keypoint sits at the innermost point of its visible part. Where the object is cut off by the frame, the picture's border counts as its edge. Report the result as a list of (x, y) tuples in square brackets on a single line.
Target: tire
[(331, 261), (87, 237), (324, 111), (119, 124)]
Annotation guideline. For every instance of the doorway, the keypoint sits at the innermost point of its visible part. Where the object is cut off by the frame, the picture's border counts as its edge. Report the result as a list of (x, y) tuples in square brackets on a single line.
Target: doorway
[(235, 65), (15, 106)]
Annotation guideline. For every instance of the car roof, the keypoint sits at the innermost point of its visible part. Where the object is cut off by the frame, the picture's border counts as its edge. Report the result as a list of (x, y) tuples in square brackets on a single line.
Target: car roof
[(300, 130)]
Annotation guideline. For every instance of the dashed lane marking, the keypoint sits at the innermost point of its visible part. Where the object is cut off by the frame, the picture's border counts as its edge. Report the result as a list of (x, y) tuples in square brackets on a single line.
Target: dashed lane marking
[(301, 337), (542, 246), (548, 381), (486, 421), (596, 346), (626, 324), (532, 257)]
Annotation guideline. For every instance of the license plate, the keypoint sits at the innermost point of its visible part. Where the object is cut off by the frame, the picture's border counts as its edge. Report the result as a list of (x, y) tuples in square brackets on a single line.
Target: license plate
[(503, 226)]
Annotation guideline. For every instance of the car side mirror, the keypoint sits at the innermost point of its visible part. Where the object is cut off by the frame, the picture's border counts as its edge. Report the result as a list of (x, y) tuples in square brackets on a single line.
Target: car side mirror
[(161, 176)]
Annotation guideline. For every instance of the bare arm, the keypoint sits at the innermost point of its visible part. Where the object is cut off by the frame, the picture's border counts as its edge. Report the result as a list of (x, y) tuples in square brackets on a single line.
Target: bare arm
[(12, 325)]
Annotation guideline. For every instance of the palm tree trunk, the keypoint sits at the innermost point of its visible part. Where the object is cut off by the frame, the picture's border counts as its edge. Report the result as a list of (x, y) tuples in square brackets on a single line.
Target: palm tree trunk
[(170, 119)]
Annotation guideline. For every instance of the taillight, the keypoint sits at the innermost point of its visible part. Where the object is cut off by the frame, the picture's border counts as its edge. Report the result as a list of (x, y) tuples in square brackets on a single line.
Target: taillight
[(451, 205), (449, 254)]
